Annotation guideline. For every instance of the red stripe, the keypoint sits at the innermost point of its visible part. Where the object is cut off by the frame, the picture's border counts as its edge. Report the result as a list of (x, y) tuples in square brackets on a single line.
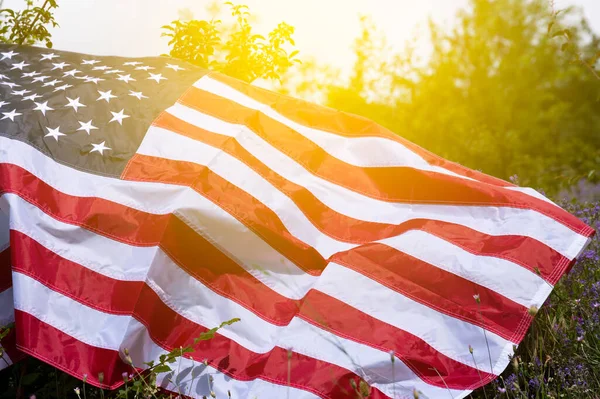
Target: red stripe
[(47, 343), (438, 289), (5, 270), (177, 237), (425, 361), (344, 124), (68, 354), (254, 214), (95, 214), (522, 250), (341, 319), (71, 279), (146, 229), (417, 186), (209, 265)]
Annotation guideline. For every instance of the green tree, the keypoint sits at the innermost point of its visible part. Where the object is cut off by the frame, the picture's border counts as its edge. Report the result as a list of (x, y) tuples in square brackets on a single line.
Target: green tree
[(28, 26), (499, 93), (235, 49)]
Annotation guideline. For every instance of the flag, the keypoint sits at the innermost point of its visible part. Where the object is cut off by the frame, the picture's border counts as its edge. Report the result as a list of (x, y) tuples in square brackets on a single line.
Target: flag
[(145, 201)]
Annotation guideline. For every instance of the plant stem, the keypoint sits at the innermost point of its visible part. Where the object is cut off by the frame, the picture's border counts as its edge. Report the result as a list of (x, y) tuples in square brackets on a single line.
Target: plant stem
[(22, 38)]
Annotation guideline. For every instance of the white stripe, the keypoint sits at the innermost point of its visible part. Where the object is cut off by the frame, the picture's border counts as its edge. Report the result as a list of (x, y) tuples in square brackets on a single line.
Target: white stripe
[(117, 332), (530, 191), (98, 253), (196, 302), (109, 331), (88, 325), (182, 148), (161, 198), (215, 224), (487, 219), (505, 277), (191, 377), (446, 334), (234, 239), (7, 310), (127, 262), (358, 151)]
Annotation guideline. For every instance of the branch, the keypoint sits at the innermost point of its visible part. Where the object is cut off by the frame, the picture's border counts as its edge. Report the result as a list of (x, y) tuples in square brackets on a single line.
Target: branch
[(37, 17)]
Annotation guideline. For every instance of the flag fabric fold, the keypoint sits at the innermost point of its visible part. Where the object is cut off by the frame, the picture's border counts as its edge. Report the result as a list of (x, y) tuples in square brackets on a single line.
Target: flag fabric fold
[(145, 201)]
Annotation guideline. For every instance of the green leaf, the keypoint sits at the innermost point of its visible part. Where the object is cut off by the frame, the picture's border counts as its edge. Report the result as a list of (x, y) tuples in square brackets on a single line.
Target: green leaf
[(161, 368), (591, 174), (550, 25), (229, 322)]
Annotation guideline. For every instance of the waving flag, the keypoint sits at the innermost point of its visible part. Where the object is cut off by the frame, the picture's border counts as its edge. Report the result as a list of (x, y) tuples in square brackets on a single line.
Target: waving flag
[(145, 201)]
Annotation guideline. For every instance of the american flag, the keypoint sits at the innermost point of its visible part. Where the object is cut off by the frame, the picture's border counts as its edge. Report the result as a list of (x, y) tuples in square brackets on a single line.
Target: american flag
[(145, 201)]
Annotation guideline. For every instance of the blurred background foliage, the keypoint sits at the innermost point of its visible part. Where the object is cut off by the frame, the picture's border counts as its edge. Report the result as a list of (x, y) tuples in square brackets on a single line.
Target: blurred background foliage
[(510, 89)]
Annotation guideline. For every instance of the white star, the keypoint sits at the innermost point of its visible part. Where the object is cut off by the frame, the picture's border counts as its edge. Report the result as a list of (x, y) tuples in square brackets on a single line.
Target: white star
[(3, 76), (101, 68), (54, 133), (132, 63), (39, 79), (63, 87), (42, 107), (52, 82), (125, 78), (137, 94), (32, 97), (31, 74), (105, 95), (87, 126), (72, 72), (82, 77), (3, 103), (59, 65), (8, 55), (156, 76), (11, 115), (175, 67), (100, 148), (114, 71), (89, 62), (118, 117), (143, 68), (94, 80), (20, 65), (74, 103), (9, 84), (20, 92), (48, 56)]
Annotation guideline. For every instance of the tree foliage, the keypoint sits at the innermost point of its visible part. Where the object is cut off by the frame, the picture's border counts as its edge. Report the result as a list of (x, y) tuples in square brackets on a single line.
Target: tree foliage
[(30, 25), (235, 50), (500, 92)]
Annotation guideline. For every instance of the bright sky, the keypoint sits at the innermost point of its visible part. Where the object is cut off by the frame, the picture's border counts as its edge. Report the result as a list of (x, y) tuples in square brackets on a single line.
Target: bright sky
[(324, 28)]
